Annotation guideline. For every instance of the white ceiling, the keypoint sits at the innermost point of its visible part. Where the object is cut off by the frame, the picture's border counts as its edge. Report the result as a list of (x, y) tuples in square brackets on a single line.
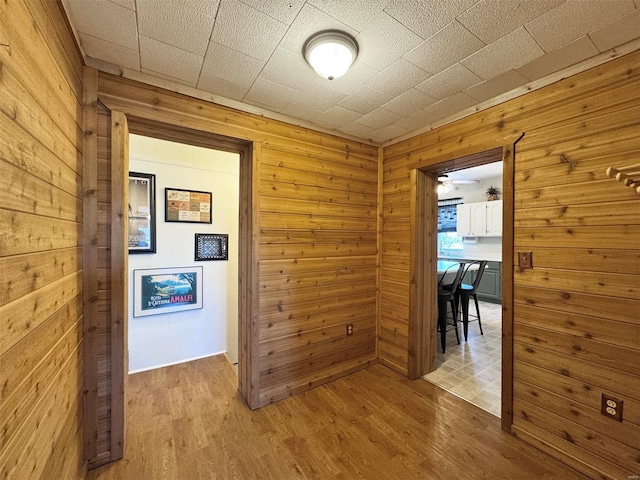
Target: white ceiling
[(421, 62)]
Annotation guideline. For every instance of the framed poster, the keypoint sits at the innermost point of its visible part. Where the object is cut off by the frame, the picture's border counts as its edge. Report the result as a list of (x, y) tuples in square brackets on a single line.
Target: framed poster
[(188, 206), (166, 290), (142, 213)]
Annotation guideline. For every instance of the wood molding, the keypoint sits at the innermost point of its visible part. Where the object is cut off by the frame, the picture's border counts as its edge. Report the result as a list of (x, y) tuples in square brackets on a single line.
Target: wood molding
[(90, 260), (119, 279)]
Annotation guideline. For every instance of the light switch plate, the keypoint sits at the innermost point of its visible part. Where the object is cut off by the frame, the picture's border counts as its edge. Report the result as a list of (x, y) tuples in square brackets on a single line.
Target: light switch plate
[(525, 260)]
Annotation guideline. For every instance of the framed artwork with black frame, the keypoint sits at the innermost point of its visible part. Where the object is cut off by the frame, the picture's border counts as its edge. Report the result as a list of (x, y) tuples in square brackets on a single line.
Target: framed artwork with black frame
[(188, 206), (211, 246), (142, 212)]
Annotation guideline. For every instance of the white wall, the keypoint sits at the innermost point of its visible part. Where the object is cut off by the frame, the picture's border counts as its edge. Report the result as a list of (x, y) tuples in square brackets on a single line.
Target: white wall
[(165, 339)]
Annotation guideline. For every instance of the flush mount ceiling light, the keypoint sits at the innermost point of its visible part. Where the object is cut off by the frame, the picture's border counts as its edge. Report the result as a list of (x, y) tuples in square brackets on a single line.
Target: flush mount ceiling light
[(330, 53)]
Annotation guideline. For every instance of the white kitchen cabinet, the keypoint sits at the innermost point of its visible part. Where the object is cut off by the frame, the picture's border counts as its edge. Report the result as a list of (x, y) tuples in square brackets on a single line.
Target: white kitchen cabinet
[(463, 221), (494, 218), (480, 219)]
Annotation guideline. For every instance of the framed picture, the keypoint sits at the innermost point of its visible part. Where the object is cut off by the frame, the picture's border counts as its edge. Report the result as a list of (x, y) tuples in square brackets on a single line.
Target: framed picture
[(142, 213), (166, 290), (211, 246), (188, 206)]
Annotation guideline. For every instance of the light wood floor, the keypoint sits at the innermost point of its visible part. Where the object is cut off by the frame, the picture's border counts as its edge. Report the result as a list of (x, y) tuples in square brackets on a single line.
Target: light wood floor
[(187, 422)]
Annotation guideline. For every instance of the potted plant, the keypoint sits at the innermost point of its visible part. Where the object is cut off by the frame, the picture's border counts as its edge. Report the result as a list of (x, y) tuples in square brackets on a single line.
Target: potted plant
[(492, 193)]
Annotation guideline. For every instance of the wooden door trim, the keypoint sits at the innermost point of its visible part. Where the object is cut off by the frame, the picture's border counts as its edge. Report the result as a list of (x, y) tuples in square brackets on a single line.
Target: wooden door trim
[(248, 278), (90, 261), (119, 279), (423, 255)]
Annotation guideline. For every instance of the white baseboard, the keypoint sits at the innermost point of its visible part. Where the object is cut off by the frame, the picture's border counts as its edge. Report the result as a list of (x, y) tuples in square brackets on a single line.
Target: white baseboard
[(131, 372)]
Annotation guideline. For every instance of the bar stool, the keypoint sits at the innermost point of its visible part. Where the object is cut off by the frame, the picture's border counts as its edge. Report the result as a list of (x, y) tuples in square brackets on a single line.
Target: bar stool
[(465, 291), (447, 295)]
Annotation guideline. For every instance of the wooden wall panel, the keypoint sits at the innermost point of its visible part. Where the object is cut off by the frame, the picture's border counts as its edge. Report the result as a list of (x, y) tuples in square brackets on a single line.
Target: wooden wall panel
[(576, 324), (315, 200), (41, 215)]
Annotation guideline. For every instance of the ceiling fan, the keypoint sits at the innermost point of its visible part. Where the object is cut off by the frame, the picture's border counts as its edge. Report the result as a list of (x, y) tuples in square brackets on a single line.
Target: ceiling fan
[(446, 184)]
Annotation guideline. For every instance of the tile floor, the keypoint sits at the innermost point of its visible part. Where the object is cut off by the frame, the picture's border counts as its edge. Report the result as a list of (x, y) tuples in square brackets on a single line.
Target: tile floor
[(472, 370)]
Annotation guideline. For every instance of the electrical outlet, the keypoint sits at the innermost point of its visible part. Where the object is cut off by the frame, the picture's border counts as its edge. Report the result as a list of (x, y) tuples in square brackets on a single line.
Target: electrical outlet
[(349, 329), (525, 260), (611, 407)]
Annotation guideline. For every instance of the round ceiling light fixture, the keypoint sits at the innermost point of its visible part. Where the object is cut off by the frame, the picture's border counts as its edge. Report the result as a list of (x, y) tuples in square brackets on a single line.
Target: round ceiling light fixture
[(330, 53)]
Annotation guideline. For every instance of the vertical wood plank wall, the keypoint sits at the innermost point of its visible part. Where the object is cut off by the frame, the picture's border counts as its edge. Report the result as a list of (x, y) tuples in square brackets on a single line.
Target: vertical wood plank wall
[(576, 321), (316, 200), (41, 172)]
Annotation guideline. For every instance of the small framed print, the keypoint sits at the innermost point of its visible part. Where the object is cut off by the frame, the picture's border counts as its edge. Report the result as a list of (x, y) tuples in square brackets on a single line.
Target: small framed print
[(188, 206), (211, 246), (142, 213)]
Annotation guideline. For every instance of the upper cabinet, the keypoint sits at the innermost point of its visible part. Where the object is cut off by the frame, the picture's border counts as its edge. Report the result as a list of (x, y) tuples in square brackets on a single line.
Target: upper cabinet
[(481, 219)]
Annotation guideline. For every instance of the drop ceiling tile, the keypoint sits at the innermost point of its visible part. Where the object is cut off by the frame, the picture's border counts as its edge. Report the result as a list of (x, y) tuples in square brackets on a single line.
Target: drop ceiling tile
[(243, 28), (426, 17), (169, 60), (575, 18), (318, 97), (621, 31), (357, 14), (409, 102), (448, 82), (379, 118), (450, 45), (451, 105), (497, 86), (296, 110), (359, 74), (287, 68), (387, 133), (231, 65), (506, 53), (400, 76), (221, 87), (169, 78), (490, 20), (364, 100), (282, 10), (358, 130), (310, 20), (271, 94), (130, 4), (417, 120), (384, 41), (206, 7), (563, 57), (110, 52), (175, 24), (105, 20), (339, 117)]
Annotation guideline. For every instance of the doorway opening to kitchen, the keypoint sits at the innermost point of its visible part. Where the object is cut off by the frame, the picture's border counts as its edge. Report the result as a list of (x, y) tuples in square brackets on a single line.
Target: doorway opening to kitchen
[(424, 339), (470, 231)]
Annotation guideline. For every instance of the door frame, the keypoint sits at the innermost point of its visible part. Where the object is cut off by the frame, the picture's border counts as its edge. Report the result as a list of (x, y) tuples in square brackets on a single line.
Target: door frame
[(423, 257), (248, 268)]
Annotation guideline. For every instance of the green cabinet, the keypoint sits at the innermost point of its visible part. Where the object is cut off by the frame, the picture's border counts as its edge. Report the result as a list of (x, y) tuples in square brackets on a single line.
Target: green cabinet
[(490, 288)]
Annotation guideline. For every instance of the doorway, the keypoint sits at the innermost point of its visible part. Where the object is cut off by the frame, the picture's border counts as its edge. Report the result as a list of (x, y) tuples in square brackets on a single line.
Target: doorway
[(470, 366), (424, 255), (105, 285), (157, 339)]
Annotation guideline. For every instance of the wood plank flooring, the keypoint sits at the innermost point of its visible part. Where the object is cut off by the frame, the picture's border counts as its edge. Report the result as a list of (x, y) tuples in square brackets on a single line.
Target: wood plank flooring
[(187, 422)]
